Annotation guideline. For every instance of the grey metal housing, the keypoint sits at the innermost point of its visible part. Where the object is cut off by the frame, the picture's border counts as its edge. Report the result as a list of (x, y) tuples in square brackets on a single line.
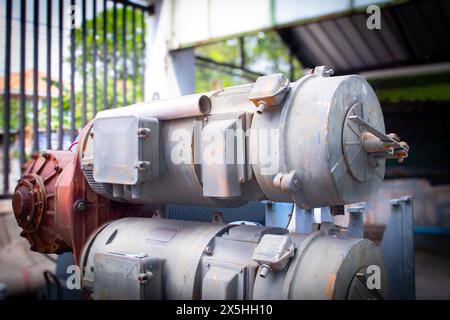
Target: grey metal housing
[(155, 258), (317, 154)]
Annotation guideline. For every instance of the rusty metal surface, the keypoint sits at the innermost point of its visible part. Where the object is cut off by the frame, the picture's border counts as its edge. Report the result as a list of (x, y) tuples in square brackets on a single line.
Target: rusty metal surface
[(34, 201), (63, 210)]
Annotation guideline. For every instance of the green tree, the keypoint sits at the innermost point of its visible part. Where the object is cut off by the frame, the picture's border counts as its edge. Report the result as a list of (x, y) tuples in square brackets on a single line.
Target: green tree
[(134, 68), (264, 52)]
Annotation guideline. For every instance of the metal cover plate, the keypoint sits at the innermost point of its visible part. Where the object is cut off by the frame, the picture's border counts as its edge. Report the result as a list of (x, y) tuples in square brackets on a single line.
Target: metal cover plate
[(119, 277), (118, 149)]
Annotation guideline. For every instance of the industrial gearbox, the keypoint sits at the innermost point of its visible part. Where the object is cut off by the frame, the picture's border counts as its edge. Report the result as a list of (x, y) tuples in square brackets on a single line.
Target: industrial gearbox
[(316, 142)]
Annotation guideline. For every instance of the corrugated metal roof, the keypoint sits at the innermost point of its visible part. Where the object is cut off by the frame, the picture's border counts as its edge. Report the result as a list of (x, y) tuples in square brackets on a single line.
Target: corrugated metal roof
[(414, 32)]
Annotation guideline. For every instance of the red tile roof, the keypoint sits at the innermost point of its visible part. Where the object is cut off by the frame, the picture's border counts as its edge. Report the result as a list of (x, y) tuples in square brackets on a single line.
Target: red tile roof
[(29, 88)]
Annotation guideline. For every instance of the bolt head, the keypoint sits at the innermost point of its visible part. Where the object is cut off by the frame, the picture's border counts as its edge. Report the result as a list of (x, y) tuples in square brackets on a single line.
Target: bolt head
[(264, 271), (208, 250), (80, 205)]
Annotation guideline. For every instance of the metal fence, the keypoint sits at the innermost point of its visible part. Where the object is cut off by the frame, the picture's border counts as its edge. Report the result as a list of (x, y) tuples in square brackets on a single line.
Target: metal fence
[(96, 48)]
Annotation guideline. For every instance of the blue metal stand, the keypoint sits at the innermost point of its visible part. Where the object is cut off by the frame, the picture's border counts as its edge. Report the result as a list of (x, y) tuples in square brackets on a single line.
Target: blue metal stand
[(397, 247)]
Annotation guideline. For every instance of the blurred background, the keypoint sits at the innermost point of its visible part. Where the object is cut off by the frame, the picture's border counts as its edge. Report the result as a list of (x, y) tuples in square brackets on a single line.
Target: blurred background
[(61, 61)]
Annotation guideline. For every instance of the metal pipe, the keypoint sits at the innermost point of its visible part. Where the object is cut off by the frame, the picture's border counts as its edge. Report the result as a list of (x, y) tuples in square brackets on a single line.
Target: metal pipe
[(7, 98), (135, 71), (124, 52), (407, 71), (49, 76), (183, 107), (35, 76), (94, 57), (61, 61), (143, 12), (72, 77), (23, 13), (84, 62), (114, 58), (105, 56)]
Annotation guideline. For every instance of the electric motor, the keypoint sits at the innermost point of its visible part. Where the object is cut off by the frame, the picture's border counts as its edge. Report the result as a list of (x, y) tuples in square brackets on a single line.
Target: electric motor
[(154, 258), (317, 142)]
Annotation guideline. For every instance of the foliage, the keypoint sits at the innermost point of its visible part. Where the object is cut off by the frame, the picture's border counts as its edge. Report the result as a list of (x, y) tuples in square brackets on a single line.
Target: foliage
[(134, 68), (265, 53), (431, 92)]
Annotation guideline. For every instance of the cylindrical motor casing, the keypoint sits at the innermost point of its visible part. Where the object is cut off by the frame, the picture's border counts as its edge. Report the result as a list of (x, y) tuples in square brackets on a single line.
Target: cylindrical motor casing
[(311, 129), (154, 258), (297, 150)]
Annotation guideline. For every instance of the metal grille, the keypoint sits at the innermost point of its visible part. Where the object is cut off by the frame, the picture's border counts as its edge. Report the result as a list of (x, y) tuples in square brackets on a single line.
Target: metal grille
[(64, 60)]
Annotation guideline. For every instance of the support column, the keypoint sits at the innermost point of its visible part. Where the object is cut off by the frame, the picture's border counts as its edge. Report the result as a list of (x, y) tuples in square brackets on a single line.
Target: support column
[(397, 248), (168, 74)]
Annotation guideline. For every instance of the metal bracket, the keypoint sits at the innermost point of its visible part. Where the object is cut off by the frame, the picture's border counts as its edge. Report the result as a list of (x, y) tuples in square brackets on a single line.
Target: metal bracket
[(395, 149), (304, 220), (397, 247), (278, 214), (356, 222), (273, 252), (323, 71)]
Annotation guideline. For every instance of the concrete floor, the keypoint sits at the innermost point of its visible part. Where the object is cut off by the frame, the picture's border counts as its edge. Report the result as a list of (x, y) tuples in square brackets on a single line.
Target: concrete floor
[(20, 268), (432, 274)]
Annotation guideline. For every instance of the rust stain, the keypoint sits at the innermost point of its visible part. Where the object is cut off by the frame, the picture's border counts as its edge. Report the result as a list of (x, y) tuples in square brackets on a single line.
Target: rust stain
[(329, 288)]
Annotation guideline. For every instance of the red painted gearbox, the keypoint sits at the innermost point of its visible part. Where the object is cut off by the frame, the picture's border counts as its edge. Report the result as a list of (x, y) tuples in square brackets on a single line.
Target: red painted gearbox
[(57, 209)]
